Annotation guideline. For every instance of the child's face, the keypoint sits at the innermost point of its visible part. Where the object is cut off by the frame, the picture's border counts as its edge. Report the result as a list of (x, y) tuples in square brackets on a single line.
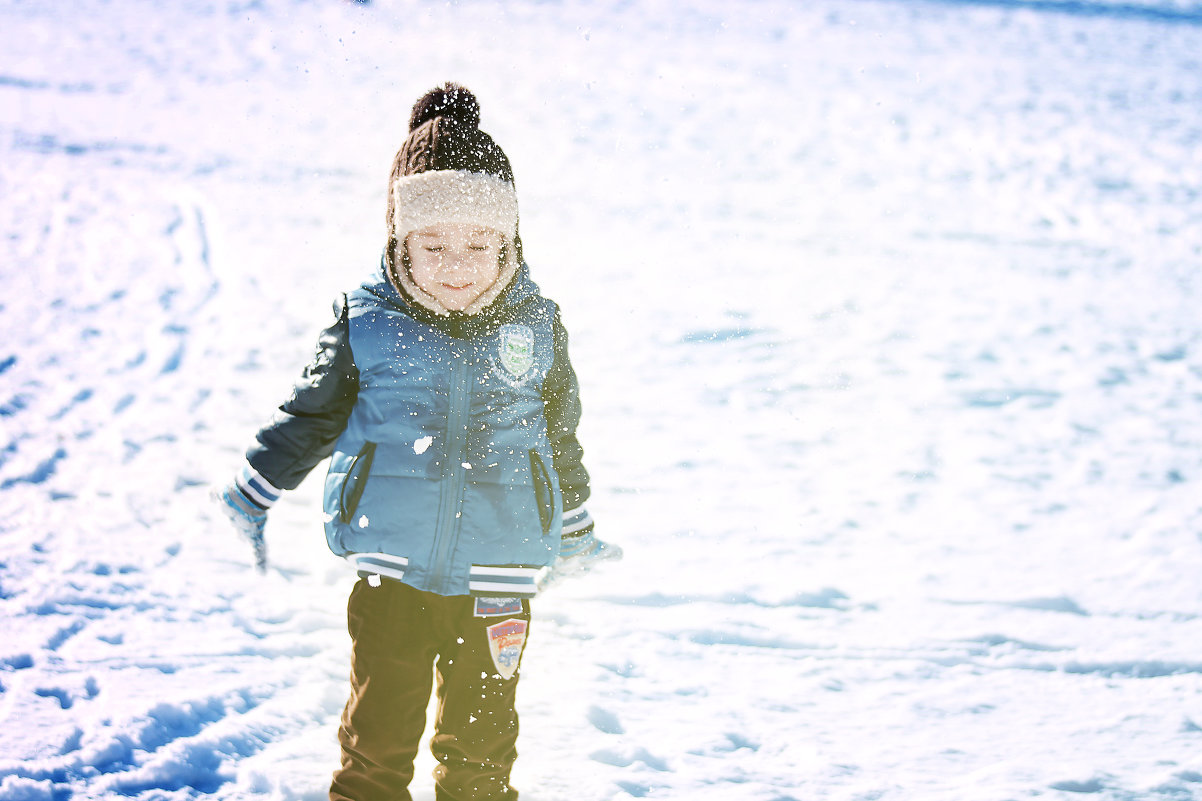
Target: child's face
[(456, 263)]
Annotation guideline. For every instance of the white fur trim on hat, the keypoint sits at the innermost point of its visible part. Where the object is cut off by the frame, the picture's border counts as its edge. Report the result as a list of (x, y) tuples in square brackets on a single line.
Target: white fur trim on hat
[(439, 197)]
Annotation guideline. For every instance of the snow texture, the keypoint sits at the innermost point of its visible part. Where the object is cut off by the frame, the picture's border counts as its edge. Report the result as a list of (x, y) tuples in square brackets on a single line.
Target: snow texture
[(887, 319)]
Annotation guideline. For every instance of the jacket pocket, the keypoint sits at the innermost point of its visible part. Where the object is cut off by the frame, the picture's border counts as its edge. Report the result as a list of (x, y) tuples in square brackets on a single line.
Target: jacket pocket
[(544, 501), (356, 480)]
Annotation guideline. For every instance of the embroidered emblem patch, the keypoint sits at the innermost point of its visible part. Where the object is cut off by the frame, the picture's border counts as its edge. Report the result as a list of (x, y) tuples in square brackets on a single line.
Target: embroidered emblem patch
[(505, 641), (495, 607), (516, 351)]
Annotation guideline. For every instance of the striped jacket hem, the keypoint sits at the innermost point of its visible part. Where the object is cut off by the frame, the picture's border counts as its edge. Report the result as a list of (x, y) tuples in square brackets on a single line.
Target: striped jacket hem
[(508, 581)]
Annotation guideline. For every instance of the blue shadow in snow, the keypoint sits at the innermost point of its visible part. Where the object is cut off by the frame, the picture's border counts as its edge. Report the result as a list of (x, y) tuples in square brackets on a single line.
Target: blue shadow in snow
[(40, 473), (1082, 8)]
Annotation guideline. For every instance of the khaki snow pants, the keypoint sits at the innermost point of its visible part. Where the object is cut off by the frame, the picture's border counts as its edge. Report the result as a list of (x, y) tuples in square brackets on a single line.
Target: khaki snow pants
[(401, 637)]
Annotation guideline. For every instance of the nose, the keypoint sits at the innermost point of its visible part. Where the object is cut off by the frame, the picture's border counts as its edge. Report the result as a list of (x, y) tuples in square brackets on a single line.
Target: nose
[(455, 262), (451, 261)]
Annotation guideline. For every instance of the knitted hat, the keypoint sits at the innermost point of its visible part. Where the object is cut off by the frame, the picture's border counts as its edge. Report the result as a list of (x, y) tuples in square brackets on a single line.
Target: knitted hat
[(449, 171)]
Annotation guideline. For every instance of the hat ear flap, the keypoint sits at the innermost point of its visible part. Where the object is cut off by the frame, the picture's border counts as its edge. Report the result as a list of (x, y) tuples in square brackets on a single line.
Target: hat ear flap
[(398, 259)]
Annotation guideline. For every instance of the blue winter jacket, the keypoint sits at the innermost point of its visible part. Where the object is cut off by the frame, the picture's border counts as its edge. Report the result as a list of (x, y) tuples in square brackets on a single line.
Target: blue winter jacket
[(452, 443)]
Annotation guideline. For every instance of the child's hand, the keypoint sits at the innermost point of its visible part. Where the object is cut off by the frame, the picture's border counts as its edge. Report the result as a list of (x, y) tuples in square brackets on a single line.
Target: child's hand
[(248, 519), (578, 554)]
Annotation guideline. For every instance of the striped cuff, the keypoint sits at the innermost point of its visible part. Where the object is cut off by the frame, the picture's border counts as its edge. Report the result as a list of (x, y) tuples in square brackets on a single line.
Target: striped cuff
[(257, 489), (576, 521)]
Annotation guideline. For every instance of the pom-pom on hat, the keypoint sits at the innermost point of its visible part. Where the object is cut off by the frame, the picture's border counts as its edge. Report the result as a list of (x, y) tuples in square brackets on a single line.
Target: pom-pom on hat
[(449, 171)]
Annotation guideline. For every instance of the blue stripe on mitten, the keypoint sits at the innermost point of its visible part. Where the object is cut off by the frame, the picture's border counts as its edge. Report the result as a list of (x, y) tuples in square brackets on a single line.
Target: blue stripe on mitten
[(245, 502)]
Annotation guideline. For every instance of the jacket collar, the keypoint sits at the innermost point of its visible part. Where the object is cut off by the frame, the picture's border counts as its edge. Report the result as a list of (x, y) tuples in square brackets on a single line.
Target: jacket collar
[(521, 287)]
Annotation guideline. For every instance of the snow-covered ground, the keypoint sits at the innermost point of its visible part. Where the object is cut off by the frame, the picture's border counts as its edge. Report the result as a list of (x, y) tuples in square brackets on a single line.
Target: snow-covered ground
[(887, 320)]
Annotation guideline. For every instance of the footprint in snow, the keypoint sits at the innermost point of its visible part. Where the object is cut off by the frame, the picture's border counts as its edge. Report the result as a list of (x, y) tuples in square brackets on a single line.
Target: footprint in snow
[(64, 634), (65, 701), (605, 721), (624, 759), (66, 698), (1060, 604), (1089, 786)]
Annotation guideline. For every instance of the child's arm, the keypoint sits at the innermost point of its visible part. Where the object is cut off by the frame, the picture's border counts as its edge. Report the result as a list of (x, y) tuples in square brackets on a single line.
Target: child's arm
[(301, 433), (580, 549), (561, 404), (305, 428)]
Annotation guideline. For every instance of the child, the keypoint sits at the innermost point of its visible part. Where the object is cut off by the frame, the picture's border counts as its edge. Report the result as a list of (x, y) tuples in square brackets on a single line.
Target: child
[(445, 399)]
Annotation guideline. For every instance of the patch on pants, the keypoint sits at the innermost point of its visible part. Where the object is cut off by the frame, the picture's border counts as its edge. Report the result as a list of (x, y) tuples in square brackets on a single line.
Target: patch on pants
[(505, 641), (495, 607)]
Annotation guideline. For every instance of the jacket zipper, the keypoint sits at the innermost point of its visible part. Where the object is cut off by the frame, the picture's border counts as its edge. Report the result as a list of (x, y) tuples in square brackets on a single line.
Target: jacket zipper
[(454, 473)]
